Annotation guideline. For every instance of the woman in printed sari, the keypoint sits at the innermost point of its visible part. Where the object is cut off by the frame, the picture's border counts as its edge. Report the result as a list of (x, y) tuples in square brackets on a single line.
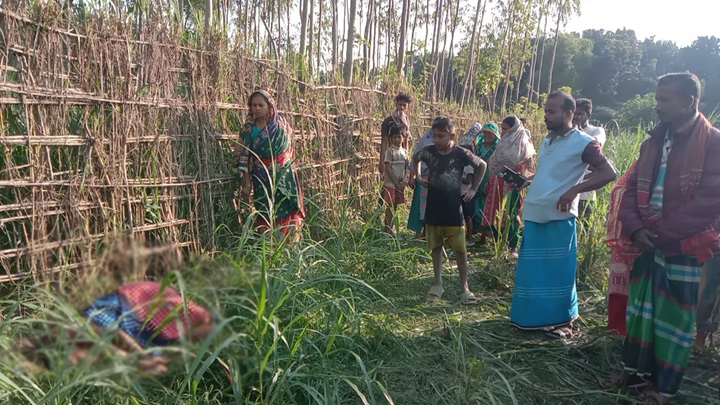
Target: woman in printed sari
[(484, 148), (514, 150), (416, 216), (265, 155)]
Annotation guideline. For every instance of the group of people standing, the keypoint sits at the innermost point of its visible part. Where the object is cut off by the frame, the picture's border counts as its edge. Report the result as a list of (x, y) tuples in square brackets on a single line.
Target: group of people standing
[(497, 203), (662, 225)]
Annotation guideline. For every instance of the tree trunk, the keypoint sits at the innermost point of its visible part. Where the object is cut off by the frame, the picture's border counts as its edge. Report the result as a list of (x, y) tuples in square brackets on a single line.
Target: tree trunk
[(436, 49), (246, 22), (319, 36), (412, 45), (509, 38), (344, 39), (521, 71), (376, 36), (533, 63), (311, 33), (348, 74), (388, 47), (368, 36), (208, 13), (303, 26), (425, 46), (471, 56), (258, 34), (443, 55), (552, 61), (181, 13), (508, 68), (333, 4), (542, 57), (403, 30), (449, 74)]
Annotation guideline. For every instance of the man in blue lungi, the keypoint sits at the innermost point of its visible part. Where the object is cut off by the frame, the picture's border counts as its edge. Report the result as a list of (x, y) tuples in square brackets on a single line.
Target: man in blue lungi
[(545, 295)]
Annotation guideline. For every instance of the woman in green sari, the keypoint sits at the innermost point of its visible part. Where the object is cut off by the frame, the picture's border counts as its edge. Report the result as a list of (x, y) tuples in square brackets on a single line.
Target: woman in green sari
[(265, 155), (484, 148)]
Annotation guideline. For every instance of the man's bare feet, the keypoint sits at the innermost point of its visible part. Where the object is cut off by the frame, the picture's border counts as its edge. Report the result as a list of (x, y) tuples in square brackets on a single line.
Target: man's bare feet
[(651, 396), (622, 380)]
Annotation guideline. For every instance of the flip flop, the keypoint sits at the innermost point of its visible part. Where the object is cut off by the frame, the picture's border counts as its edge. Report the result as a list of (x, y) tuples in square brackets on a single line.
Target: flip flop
[(435, 293), (468, 298)]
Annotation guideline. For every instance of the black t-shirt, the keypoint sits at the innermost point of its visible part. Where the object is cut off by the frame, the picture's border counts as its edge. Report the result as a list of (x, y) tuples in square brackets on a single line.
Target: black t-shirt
[(444, 202), (385, 128)]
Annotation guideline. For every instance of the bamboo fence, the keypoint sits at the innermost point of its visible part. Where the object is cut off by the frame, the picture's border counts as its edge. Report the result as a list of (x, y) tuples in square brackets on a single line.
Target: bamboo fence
[(109, 132)]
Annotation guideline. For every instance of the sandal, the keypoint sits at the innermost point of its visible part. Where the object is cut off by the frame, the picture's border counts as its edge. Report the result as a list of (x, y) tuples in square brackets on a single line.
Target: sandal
[(468, 298), (435, 293)]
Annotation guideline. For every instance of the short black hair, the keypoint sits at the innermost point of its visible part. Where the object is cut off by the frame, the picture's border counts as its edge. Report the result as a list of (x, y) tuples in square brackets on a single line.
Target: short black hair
[(443, 124), (686, 83), (394, 129), (584, 104), (568, 100), (403, 97), (510, 120)]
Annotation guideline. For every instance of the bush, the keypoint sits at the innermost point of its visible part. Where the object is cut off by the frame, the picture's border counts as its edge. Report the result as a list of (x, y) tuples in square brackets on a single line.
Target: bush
[(603, 115), (640, 111)]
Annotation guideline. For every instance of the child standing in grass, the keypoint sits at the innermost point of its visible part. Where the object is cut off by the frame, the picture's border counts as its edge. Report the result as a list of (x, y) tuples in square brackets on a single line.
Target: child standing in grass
[(396, 175), (444, 215)]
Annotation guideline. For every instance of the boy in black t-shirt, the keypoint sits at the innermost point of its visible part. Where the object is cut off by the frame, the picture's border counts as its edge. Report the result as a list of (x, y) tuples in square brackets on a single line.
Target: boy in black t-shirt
[(443, 215)]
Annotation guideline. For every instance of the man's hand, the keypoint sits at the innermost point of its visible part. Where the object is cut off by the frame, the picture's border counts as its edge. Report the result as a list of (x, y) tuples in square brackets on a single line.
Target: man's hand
[(468, 195), (643, 239), (566, 200), (423, 182)]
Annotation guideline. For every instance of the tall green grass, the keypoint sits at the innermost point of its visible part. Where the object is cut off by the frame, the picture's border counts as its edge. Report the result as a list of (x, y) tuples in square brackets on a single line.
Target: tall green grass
[(338, 318)]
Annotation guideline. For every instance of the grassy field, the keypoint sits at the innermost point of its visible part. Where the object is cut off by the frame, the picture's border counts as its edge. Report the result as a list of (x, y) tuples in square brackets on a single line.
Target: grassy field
[(341, 318)]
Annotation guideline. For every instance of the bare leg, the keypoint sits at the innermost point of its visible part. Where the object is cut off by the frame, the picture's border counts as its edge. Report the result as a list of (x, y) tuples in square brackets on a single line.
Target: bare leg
[(468, 228), (388, 219), (437, 265), (462, 263)]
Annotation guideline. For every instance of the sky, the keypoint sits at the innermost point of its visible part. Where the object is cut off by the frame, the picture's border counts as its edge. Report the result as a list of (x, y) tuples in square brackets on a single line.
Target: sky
[(679, 21)]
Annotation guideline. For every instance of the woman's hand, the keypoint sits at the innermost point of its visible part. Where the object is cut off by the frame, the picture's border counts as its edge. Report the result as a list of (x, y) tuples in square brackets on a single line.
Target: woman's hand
[(423, 182), (468, 195), (246, 191)]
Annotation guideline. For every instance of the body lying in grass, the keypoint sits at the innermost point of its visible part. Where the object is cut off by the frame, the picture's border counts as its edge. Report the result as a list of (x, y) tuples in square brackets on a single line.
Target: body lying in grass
[(139, 316)]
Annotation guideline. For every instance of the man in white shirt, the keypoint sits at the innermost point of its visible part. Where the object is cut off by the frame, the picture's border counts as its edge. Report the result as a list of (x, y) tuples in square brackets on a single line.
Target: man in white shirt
[(581, 120)]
